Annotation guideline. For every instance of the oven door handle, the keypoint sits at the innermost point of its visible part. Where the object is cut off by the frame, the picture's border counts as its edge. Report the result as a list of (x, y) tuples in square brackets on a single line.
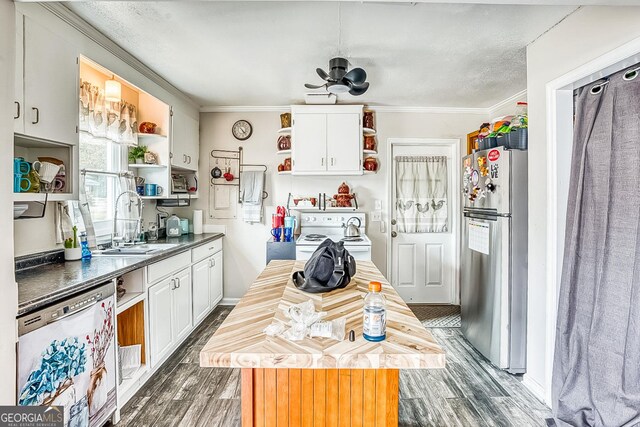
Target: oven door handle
[(358, 249), (72, 313)]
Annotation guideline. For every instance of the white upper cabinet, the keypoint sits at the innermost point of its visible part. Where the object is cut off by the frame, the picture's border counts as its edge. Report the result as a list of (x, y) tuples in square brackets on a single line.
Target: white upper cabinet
[(343, 143), (185, 140), (48, 73), (18, 122), (327, 140), (309, 151)]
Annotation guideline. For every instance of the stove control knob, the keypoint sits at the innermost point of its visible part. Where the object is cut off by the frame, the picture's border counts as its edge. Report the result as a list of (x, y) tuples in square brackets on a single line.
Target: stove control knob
[(313, 219), (307, 219)]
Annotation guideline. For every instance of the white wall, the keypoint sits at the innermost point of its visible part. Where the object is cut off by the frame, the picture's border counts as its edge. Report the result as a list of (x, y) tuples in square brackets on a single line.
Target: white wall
[(8, 288), (585, 35), (245, 245)]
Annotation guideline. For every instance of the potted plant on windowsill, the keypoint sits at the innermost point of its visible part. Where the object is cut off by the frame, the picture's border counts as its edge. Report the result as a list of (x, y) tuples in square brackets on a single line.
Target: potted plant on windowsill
[(136, 154), (72, 251)]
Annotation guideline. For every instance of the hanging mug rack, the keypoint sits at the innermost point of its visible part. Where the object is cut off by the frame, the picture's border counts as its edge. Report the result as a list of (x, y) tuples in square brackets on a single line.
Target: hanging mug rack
[(231, 157)]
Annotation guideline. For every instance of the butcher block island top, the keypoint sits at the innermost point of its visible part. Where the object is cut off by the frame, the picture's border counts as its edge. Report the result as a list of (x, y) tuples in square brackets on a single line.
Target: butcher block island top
[(241, 343)]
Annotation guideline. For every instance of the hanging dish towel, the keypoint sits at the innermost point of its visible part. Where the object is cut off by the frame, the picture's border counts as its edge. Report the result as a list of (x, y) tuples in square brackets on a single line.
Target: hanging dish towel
[(251, 192)]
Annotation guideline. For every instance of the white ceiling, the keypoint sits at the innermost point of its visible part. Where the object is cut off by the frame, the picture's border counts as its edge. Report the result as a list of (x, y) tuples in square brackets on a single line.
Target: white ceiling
[(261, 53)]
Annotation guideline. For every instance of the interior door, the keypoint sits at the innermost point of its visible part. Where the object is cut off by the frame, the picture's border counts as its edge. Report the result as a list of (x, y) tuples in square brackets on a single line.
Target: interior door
[(182, 305), (343, 155), (423, 265), (160, 319), (309, 143), (50, 98), (200, 286)]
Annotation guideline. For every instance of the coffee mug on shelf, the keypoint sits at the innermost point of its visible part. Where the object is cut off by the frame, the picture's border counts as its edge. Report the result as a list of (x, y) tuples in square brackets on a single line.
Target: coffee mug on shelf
[(140, 190), (152, 190), (20, 166), (46, 170), (20, 183), (276, 233), (288, 234)]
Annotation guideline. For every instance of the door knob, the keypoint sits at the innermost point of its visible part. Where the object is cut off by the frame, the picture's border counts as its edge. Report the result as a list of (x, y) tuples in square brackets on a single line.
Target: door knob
[(393, 222), (394, 234)]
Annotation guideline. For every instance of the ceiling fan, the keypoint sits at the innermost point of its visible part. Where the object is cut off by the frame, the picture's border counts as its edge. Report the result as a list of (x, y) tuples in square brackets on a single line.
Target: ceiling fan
[(340, 81)]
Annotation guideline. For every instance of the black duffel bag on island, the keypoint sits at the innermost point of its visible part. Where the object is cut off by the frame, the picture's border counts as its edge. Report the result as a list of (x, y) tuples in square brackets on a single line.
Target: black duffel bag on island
[(330, 267)]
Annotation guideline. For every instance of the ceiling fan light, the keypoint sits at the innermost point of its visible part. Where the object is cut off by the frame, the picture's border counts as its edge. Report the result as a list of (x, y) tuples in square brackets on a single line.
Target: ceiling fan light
[(112, 90), (338, 88)]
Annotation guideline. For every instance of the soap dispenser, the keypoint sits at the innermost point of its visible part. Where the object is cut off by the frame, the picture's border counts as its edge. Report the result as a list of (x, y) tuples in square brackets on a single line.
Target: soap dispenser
[(173, 226)]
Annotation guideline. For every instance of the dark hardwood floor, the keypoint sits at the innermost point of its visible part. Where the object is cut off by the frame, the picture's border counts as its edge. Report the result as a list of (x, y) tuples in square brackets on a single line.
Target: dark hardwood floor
[(469, 392)]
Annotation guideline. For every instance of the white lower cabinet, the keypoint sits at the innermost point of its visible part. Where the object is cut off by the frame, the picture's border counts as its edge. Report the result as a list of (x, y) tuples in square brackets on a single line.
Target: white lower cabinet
[(182, 291), (200, 285), (169, 313), (215, 279), (207, 286), (160, 319)]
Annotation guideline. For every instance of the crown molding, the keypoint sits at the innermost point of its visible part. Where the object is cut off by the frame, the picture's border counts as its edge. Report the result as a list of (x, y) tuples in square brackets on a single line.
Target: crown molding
[(378, 108), (485, 111), (244, 108), (512, 99), (430, 110)]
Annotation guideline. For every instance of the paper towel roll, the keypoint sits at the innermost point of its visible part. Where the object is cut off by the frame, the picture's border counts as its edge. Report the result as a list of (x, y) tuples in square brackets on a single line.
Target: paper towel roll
[(197, 222)]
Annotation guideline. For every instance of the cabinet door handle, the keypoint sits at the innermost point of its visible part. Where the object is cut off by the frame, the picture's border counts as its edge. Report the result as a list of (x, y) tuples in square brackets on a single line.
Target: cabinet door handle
[(321, 161), (17, 116), (37, 115), (189, 159), (184, 158), (332, 161), (179, 282), (173, 284)]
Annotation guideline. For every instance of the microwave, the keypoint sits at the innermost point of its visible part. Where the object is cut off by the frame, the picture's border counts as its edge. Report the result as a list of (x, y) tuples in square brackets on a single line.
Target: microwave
[(179, 184)]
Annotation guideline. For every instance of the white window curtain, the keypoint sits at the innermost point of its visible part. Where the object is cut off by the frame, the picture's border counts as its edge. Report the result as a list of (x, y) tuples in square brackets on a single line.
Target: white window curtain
[(421, 194), (114, 121)]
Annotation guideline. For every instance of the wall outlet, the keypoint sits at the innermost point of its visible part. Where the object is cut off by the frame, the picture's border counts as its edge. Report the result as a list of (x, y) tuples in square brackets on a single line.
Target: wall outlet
[(376, 215), (378, 206)]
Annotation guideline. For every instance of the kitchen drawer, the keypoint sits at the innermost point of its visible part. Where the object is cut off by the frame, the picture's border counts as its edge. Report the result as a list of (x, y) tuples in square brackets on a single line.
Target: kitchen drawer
[(206, 250), (165, 267)]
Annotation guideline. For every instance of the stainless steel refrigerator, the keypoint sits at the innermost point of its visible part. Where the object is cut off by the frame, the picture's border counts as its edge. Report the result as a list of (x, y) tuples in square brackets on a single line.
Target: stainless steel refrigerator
[(493, 294)]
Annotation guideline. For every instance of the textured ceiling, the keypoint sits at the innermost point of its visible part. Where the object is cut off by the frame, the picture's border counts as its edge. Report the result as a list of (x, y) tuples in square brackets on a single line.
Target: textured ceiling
[(262, 53)]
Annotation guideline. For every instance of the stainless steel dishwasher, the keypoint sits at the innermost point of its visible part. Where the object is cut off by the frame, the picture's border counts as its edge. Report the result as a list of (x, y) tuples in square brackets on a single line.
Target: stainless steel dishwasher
[(66, 356)]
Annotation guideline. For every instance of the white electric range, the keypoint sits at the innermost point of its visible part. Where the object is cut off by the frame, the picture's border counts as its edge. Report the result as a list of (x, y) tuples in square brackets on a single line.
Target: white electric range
[(316, 227)]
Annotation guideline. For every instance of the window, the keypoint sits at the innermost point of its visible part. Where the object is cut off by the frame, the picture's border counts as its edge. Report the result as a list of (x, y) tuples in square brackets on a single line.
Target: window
[(102, 155)]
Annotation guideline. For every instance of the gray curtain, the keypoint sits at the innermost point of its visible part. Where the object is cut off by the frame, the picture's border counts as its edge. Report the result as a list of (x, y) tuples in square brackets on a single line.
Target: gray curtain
[(596, 373)]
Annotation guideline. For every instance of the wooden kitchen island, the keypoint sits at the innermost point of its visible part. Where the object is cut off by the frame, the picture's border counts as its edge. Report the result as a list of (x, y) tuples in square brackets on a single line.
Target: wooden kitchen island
[(319, 381)]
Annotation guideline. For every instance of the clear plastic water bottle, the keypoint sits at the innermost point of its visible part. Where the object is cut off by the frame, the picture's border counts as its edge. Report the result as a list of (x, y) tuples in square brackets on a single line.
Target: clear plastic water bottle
[(375, 314), (84, 244)]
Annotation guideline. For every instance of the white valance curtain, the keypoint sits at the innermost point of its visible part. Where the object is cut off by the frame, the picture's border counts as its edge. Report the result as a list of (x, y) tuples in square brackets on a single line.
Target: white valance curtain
[(421, 194), (115, 121)]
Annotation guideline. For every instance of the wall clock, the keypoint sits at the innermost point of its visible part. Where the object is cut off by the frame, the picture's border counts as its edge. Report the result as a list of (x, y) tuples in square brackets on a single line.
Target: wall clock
[(242, 130)]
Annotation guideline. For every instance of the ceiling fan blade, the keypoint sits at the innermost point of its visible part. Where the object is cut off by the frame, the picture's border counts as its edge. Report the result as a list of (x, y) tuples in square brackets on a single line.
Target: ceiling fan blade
[(323, 74), (357, 76), (359, 90), (310, 86)]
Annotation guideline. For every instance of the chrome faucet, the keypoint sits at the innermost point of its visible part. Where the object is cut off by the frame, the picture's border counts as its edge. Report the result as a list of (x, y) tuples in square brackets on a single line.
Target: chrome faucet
[(125, 239)]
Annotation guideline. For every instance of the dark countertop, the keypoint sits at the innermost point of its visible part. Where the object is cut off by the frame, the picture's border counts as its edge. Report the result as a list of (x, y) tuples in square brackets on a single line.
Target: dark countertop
[(45, 284)]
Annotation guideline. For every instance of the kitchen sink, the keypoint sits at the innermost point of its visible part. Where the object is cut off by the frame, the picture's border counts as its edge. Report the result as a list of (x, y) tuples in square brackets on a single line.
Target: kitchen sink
[(137, 250)]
